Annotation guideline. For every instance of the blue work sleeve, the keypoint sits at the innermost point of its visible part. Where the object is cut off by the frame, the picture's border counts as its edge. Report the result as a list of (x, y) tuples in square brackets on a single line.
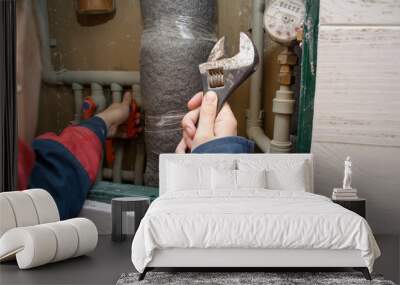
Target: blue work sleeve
[(66, 165), (233, 144)]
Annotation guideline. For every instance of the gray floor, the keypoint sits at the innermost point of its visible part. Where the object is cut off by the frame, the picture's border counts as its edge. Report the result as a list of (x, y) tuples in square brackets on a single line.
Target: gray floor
[(102, 266)]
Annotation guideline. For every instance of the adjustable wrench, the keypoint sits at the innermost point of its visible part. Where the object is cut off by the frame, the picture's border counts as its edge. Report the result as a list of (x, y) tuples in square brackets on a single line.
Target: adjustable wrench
[(224, 75)]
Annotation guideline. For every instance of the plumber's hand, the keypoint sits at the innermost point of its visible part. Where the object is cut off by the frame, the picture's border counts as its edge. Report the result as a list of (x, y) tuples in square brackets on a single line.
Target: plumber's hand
[(116, 114), (210, 125)]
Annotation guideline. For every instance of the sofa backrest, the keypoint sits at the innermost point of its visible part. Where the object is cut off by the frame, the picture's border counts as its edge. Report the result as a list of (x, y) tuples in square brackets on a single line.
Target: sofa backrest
[(235, 161)]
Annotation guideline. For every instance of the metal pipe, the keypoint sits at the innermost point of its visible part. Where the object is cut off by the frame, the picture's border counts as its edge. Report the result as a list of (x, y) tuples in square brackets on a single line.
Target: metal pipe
[(43, 24), (78, 93), (98, 97), (125, 78), (100, 100), (125, 175), (139, 162), (283, 107), (116, 91), (254, 116)]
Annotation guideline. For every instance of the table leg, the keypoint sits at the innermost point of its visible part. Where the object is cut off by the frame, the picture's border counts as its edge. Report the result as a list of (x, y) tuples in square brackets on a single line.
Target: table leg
[(116, 212)]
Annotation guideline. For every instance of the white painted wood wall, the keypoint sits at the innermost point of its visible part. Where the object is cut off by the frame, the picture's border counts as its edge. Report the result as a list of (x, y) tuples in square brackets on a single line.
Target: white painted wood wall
[(357, 104)]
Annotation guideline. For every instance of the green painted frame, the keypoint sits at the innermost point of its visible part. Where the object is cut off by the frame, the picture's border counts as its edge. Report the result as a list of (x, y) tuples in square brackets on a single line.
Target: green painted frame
[(308, 74)]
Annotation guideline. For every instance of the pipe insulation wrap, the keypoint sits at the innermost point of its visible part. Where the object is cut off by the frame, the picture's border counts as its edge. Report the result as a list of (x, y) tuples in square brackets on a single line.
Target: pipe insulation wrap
[(177, 37)]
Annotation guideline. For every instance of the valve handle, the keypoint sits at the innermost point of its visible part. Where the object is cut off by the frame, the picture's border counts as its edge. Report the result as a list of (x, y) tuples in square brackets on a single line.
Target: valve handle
[(132, 128), (88, 108)]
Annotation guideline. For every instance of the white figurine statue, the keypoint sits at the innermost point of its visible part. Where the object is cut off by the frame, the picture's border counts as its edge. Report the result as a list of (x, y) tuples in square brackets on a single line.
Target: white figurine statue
[(347, 174)]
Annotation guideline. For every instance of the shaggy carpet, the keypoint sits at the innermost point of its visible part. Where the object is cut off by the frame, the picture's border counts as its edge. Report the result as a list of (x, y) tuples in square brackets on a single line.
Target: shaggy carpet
[(243, 278)]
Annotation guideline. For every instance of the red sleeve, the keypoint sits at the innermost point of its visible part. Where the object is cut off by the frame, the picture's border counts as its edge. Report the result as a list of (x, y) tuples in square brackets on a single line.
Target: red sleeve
[(83, 144), (26, 160)]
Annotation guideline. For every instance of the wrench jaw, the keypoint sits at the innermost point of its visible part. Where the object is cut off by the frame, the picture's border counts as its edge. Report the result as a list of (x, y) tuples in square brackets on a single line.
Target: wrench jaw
[(225, 75), (248, 55), (218, 50)]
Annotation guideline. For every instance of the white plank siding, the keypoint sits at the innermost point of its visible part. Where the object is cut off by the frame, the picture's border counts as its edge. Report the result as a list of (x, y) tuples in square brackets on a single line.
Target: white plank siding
[(358, 86), (357, 104), (359, 12)]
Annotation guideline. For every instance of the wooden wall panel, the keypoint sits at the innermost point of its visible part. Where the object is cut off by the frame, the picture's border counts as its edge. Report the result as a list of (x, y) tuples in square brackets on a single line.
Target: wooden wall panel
[(360, 12), (357, 104), (358, 86)]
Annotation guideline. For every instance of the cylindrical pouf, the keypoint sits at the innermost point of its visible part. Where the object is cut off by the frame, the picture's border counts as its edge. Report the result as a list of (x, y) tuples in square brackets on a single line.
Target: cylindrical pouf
[(45, 205), (32, 246), (87, 235), (7, 218), (37, 245), (23, 208), (26, 208), (178, 35), (67, 240)]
